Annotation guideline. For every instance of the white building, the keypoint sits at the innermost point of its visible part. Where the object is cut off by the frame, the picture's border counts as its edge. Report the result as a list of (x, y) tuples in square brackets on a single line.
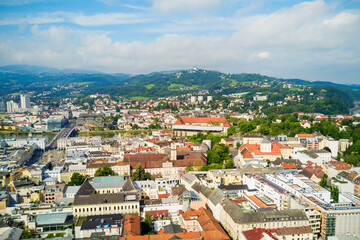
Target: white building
[(25, 102), (260, 98), (39, 143), (330, 143), (315, 156), (54, 173), (12, 107)]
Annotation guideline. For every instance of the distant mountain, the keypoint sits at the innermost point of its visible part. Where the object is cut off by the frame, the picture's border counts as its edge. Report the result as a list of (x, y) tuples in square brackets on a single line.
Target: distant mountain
[(30, 69), (25, 78)]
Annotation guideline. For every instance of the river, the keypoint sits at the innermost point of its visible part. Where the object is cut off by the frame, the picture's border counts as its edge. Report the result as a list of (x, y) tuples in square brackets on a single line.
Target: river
[(48, 136)]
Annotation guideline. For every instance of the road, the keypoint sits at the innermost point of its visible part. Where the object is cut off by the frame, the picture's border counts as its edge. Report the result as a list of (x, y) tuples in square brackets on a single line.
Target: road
[(63, 133)]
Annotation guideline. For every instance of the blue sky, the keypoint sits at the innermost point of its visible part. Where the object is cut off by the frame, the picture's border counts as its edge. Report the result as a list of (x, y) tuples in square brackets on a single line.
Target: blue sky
[(312, 40)]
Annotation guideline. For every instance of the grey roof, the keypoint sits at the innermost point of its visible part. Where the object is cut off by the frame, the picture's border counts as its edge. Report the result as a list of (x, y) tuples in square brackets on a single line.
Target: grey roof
[(239, 216), (128, 186), (52, 218), (231, 187), (172, 228), (216, 197), (344, 174), (175, 237), (107, 184), (86, 188), (202, 189), (95, 199), (72, 189), (189, 178), (11, 233), (93, 222), (169, 200), (108, 179)]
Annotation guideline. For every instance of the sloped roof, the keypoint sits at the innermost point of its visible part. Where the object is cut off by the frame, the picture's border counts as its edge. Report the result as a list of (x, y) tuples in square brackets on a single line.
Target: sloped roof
[(100, 199), (258, 234), (215, 197), (208, 120), (132, 226), (256, 149), (239, 216)]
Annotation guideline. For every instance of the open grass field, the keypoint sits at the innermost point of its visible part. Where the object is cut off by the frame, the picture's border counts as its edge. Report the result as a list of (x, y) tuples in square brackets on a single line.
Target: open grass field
[(139, 98), (149, 86)]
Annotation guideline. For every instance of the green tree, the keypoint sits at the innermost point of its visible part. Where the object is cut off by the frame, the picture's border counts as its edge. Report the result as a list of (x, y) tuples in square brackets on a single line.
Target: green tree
[(139, 174), (104, 171), (111, 127), (323, 181), (334, 193), (29, 233), (77, 179), (189, 168), (231, 130), (218, 154), (229, 164), (146, 225)]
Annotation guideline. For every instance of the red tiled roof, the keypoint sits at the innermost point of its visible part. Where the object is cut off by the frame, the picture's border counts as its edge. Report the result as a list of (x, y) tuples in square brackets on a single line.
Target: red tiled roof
[(208, 120), (288, 166), (165, 195), (207, 222), (158, 213), (340, 165), (258, 233), (184, 148), (132, 226), (306, 135), (256, 149)]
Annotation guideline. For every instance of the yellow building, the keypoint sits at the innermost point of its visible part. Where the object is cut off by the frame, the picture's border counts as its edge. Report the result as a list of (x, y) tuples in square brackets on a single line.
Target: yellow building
[(106, 195), (88, 202)]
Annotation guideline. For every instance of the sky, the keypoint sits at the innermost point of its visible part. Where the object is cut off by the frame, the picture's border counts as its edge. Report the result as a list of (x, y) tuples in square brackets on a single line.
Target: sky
[(312, 40)]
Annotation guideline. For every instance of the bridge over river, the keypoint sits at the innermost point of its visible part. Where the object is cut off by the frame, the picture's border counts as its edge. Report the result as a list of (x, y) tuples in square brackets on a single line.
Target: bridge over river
[(65, 133)]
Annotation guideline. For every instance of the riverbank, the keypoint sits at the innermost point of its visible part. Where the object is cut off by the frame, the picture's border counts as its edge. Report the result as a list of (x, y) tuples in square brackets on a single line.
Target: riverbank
[(25, 135), (112, 133)]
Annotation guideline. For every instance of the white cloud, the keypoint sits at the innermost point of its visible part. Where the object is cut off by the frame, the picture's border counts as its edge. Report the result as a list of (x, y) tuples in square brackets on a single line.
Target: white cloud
[(342, 18), (170, 6), (262, 55), (304, 42), (108, 19), (42, 18), (115, 18), (18, 2)]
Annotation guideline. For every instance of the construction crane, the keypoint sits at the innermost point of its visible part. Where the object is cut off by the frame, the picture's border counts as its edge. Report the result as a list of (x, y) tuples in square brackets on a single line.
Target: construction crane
[(88, 126), (12, 186)]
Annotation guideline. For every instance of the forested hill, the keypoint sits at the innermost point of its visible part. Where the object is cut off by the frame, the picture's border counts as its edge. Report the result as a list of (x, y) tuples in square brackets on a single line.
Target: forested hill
[(336, 98), (24, 78), (161, 84)]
